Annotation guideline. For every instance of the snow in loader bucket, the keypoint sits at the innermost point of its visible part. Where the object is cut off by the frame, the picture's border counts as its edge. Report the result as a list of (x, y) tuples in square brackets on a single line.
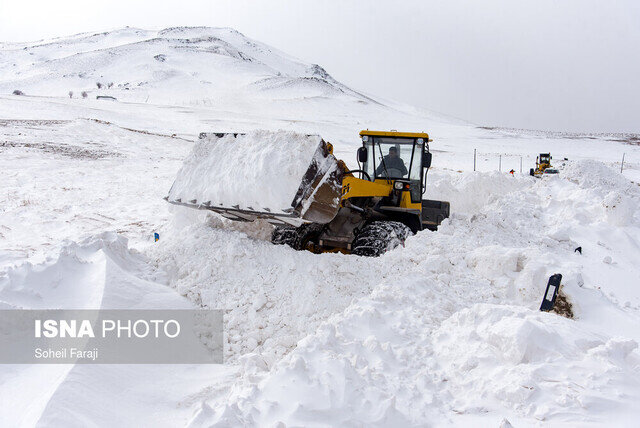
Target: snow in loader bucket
[(284, 177)]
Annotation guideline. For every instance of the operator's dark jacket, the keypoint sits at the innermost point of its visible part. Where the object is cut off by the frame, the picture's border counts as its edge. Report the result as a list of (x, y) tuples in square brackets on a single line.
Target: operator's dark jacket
[(395, 163)]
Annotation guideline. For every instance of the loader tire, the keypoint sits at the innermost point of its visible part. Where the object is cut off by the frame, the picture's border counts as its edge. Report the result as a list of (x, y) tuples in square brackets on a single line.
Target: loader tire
[(296, 237), (284, 235), (378, 237), (306, 233)]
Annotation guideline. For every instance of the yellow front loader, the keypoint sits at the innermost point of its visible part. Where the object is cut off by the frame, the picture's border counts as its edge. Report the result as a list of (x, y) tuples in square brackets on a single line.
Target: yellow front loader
[(543, 162), (365, 211)]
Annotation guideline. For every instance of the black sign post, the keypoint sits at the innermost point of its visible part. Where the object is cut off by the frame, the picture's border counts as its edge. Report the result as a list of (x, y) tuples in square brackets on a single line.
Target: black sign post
[(551, 292)]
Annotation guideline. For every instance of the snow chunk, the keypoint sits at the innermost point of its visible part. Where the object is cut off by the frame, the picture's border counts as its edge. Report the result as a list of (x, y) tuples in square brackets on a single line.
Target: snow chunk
[(260, 170)]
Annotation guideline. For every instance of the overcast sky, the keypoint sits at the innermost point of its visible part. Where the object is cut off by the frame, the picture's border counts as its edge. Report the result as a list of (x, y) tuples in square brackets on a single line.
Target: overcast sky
[(539, 64)]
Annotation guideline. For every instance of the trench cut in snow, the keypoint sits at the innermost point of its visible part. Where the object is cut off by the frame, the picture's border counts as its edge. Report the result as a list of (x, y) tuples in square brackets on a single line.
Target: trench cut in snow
[(260, 170)]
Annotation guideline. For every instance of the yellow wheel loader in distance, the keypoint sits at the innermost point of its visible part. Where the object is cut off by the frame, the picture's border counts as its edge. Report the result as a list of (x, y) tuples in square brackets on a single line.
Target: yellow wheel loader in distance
[(366, 211), (543, 161)]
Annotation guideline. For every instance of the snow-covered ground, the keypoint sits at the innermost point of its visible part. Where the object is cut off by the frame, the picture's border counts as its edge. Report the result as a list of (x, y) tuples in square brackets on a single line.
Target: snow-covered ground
[(443, 331)]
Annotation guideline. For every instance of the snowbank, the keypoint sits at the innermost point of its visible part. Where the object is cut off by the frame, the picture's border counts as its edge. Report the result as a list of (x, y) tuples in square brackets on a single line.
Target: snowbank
[(470, 191), (401, 340), (98, 273), (273, 295), (538, 364), (619, 196), (260, 170)]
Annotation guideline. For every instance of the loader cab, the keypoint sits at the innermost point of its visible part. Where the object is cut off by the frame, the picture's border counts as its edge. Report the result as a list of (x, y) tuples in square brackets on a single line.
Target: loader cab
[(390, 157), (545, 159)]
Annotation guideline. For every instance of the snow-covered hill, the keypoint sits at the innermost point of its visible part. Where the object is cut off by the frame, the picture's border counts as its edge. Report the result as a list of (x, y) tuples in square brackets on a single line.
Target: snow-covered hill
[(443, 331), (195, 65)]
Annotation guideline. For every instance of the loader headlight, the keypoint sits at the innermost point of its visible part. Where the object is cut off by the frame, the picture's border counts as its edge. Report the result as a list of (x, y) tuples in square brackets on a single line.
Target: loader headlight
[(365, 138), (399, 185)]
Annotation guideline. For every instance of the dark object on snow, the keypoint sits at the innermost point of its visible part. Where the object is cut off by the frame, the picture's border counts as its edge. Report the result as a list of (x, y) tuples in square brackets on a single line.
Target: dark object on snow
[(106, 97), (563, 306), (18, 92), (160, 57), (578, 250), (84, 94), (551, 292), (156, 236)]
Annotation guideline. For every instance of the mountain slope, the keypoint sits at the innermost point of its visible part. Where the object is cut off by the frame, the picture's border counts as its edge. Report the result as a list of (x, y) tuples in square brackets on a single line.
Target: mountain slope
[(170, 65)]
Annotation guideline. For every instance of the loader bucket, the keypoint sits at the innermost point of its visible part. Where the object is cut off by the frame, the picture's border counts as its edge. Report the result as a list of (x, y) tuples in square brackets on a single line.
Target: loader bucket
[(283, 177)]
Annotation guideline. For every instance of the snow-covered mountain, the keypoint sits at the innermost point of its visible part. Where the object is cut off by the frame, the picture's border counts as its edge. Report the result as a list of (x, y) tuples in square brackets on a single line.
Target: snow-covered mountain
[(443, 331), (179, 64)]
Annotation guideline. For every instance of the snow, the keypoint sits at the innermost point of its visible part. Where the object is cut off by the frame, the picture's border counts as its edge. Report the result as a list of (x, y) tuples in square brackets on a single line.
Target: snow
[(511, 353), (444, 331), (400, 338), (198, 65), (98, 273), (260, 170)]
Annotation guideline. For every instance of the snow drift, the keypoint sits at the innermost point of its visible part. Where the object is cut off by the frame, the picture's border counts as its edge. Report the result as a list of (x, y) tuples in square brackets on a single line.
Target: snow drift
[(101, 272), (98, 273)]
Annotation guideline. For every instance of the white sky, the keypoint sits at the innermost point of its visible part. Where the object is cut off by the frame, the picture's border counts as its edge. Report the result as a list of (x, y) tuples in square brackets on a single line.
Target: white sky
[(541, 64)]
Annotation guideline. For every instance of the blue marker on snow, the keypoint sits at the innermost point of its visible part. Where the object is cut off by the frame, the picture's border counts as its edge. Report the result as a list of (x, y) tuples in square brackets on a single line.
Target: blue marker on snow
[(156, 236)]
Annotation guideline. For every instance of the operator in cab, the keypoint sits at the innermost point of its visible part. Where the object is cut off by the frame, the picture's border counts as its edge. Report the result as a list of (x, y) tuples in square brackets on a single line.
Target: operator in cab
[(393, 164)]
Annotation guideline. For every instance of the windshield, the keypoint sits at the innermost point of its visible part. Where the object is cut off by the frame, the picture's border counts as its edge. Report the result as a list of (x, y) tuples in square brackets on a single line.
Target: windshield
[(391, 157)]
